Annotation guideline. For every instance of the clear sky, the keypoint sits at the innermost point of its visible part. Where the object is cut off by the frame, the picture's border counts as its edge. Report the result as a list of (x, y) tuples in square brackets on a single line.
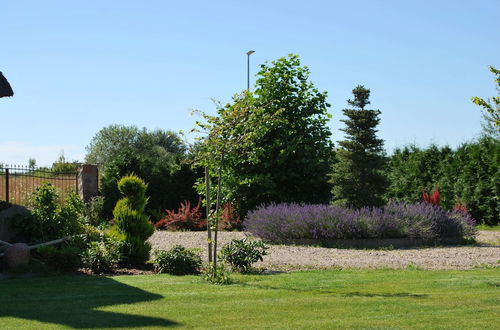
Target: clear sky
[(78, 66)]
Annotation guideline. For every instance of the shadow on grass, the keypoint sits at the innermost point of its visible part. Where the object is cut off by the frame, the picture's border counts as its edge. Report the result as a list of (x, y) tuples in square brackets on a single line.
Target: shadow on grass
[(332, 292), (385, 295), (73, 301)]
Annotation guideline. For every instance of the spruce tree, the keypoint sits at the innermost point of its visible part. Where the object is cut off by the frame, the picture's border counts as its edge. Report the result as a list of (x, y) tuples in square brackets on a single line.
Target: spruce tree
[(358, 179)]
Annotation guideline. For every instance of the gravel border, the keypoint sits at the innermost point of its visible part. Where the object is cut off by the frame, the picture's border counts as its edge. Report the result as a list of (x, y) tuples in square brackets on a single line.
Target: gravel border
[(285, 258)]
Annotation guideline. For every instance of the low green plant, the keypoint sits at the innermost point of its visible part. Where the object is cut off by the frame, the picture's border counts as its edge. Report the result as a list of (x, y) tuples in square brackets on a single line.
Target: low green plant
[(216, 274), (93, 211), (177, 261), (65, 257), (102, 256), (48, 220), (4, 205), (241, 254)]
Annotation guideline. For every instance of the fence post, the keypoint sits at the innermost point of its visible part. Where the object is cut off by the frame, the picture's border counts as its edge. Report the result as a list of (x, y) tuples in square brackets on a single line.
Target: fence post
[(88, 185), (7, 185)]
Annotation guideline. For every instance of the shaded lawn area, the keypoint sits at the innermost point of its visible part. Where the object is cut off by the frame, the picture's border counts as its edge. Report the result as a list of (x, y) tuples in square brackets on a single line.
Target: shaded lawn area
[(314, 299)]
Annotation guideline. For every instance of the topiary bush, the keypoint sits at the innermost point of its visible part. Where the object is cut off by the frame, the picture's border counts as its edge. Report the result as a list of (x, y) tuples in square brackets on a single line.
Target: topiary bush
[(278, 223), (132, 221), (177, 261)]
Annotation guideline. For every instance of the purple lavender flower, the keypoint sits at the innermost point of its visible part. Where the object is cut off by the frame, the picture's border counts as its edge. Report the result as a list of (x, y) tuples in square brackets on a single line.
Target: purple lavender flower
[(281, 222)]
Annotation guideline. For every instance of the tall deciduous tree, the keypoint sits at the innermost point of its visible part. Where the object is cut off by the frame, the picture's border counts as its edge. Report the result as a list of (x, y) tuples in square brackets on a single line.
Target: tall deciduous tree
[(286, 154), (297, 148), (357, 178), (156, 156)]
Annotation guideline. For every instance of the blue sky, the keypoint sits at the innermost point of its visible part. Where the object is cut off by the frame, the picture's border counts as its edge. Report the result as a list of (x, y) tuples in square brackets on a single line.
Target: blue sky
[(78, 66)]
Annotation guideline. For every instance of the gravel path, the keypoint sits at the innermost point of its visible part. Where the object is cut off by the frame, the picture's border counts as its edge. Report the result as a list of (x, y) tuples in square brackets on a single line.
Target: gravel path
[(304, 257)]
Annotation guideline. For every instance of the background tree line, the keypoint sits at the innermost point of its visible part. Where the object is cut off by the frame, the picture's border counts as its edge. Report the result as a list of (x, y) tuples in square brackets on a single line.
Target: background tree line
[(276, 147)]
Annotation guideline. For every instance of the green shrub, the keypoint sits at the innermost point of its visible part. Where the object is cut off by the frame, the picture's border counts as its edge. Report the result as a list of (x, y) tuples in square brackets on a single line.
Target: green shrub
[(158, 157), (46, 210), (93, 211), (177, 261), (102, 256), (71, 214), (216, 274), (25, 228), (4, 205), (468, 176), (48, 220), (131, 220), (241, 254), (65, 257)]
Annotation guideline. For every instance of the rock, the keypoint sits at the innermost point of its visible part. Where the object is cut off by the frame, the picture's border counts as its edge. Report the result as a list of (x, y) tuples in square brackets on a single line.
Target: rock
[(17, 256), (5, 216)]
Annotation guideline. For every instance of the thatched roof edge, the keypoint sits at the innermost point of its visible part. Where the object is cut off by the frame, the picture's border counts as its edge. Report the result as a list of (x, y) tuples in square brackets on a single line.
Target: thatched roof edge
[(5, 89)]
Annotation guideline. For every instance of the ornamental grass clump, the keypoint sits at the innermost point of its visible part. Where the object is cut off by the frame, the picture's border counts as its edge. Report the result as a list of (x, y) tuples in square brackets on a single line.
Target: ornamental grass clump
[(279, 223)]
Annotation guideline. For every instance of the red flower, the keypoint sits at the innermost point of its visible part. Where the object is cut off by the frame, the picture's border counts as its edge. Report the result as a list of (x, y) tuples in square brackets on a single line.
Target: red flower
[(432, 199)]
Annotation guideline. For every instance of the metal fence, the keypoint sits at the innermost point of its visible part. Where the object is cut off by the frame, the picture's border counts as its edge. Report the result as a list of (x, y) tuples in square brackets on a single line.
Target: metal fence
[(17, 183)]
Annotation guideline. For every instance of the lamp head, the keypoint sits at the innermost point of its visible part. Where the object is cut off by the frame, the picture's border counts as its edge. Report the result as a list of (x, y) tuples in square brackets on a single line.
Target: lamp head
[(250, 52)]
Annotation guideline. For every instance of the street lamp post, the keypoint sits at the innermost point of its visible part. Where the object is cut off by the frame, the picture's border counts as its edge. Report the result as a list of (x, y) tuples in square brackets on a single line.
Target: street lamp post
[(250, 52)]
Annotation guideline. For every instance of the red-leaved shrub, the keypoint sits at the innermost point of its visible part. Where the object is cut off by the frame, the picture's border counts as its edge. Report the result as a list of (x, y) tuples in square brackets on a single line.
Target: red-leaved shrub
[(459, 207), (432, 199), (230, 218), (186, 218)]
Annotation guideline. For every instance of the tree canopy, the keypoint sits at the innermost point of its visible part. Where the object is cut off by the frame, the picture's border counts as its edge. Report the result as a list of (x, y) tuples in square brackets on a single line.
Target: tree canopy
[(276, 140), (156, 156), (491, 108)]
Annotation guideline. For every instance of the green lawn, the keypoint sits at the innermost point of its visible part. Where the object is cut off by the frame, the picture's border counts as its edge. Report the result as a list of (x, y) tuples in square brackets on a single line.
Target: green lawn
[(488, 228), (315, 299)]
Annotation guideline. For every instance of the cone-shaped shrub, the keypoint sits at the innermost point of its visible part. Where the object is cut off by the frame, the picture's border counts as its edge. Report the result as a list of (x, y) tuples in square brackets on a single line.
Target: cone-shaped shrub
[(131, 220)]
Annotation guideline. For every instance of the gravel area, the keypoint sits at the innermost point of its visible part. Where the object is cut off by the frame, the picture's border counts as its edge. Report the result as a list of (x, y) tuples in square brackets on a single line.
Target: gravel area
[(284, 258)]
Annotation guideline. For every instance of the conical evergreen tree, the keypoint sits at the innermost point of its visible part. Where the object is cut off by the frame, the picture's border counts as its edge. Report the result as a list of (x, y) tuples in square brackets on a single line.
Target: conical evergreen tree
[(358, 179)]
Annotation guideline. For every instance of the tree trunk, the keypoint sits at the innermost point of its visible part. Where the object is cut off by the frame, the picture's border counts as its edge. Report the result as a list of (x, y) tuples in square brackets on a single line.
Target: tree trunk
[(209, 230), (217, 208)]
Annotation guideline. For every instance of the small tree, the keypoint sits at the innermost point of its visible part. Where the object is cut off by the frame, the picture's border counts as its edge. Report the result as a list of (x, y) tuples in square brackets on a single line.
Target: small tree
[(491, 108), (228, 145), (357, 177), (131, 220)]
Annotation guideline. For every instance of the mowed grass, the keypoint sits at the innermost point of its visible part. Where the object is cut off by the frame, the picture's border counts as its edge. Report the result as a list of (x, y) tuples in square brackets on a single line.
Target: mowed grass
[(488, 228), (313, 299)]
